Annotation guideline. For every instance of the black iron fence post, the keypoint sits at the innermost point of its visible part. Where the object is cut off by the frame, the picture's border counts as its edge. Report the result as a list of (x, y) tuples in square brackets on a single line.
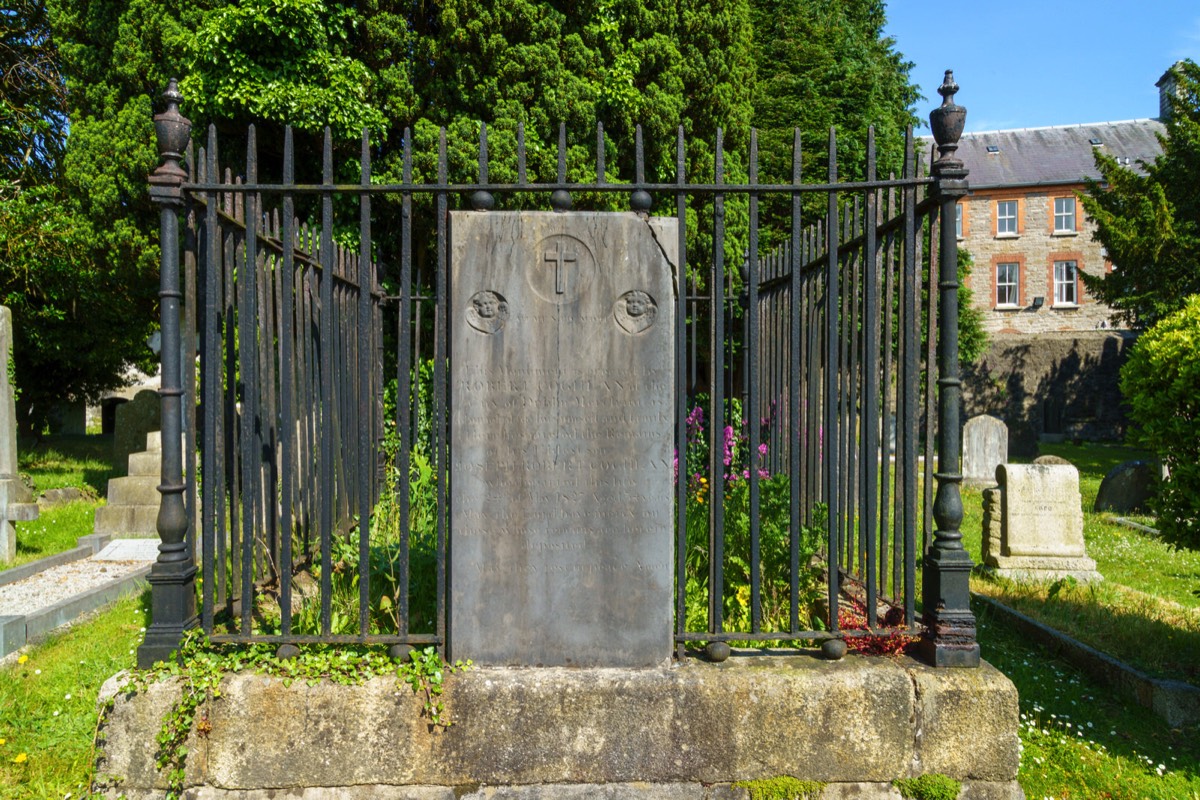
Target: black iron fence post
[(172, 578), (949, 638)]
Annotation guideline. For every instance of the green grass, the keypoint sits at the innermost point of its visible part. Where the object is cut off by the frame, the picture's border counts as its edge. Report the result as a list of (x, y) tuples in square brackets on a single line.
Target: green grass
[(60, 461), (48, 703), (1082, 741), (56, 529), (1149, 592), (83, 462)]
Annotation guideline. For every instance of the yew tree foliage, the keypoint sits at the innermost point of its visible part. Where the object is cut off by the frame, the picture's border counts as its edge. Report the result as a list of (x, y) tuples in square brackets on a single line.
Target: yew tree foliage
[(1161, 384), (385, 65), (1149, 219)]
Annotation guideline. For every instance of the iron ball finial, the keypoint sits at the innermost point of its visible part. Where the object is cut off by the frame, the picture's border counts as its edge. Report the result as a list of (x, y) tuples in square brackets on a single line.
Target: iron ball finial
[(948, 88)]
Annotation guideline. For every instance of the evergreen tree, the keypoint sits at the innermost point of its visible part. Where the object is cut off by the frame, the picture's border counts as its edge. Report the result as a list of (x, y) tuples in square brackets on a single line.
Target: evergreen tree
[(1148, 219)]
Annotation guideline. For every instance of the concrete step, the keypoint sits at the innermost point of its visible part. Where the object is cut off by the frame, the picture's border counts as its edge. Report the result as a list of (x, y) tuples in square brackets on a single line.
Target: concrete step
[(137, 490), (147, 464), (127, 521)]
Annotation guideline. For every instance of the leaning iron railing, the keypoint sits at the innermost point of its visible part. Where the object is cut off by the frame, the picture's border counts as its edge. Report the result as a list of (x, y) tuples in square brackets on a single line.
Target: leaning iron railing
[(291, 391)]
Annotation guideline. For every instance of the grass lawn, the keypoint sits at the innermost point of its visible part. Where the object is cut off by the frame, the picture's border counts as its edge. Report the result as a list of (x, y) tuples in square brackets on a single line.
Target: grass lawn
[(48, 702), (83, 462), (1149, 594)]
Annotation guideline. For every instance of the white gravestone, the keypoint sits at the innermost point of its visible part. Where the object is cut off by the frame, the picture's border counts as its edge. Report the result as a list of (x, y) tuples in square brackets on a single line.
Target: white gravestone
[(562, 380), (1033, 524), (985, 447)]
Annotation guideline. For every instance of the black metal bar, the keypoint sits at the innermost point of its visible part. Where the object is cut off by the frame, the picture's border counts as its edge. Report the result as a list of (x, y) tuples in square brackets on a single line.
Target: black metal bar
[(287, 411), (326, 497), (520, 156), (795, 367), (681, 397), (716, 473), (247, 279), (404, 390), (871, 448), (210, 362), (909, 384), (600, 153), (460, 188), (366, 431), (751, 410), (441, 337), (930, 365), (886, 517), (832, 465)]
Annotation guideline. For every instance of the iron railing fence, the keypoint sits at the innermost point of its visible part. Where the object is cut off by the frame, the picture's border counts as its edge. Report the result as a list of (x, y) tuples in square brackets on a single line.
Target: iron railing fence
[(290, 329)]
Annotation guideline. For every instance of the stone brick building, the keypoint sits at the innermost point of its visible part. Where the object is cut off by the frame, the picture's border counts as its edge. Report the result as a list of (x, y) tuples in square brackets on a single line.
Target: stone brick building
[(1052, 367), (1025, 226)]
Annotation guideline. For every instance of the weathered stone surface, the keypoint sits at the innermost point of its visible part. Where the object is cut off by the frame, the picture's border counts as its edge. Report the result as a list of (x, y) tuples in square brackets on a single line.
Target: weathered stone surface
[(1033, 524), (1052, 460), (966, 723), (985, 447), (562, 374), (867, 720), (1128, 487), (16, 501), (134, 420)]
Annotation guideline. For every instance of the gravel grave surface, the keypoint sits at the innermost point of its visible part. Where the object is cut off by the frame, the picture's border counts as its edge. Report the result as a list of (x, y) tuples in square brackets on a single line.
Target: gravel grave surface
[(60, 583)]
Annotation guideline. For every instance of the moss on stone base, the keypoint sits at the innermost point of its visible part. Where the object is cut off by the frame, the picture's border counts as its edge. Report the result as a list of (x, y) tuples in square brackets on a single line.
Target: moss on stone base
[(784, 787), (934, 786)]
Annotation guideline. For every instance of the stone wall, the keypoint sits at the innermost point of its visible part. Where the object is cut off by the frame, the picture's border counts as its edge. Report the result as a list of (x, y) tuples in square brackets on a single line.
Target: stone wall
[(1061, 384), (548, 733)]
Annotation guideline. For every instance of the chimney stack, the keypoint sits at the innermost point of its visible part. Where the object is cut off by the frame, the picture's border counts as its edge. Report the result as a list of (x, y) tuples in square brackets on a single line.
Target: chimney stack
[(1167, 87)]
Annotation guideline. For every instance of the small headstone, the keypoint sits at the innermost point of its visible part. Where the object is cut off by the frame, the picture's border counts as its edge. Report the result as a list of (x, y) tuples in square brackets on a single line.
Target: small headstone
[(1128, 487), (1052, 460), (1033, 524), (16, 501), (985, 447), (134, 420), (68, 419), (562, 331)]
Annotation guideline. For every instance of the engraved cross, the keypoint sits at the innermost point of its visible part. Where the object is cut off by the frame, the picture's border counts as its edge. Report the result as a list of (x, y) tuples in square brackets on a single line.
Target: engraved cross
[(560, 258)]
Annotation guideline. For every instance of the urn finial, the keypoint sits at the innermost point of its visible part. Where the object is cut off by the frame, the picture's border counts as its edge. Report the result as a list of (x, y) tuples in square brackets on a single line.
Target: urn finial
[(173, 130), (947, 122)]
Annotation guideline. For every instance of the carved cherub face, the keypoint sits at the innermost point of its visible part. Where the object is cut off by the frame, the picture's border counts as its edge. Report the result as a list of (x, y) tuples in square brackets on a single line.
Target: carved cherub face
[(486, 305), (635, 304)]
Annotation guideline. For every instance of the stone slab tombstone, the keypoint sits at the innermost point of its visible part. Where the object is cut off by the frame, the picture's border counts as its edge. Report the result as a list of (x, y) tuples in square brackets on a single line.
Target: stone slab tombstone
[(1033, 524), (1128, 487), (562, 380), (985, 447), (134, 420), (16, 501)]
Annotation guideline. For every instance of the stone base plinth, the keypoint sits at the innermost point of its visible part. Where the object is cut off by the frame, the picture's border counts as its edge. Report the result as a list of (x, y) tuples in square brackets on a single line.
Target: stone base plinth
[(687, 731), (1043, 568)]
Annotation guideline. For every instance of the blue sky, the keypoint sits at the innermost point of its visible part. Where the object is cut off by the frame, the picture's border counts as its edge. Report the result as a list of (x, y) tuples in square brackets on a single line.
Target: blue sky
[(1029, 63)]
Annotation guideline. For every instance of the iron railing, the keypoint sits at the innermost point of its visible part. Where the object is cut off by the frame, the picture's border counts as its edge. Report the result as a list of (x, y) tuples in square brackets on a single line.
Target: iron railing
[(819, 352)]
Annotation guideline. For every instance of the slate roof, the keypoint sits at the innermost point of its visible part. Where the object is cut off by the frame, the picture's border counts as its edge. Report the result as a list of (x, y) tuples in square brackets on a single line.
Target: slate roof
[(1053, 155)]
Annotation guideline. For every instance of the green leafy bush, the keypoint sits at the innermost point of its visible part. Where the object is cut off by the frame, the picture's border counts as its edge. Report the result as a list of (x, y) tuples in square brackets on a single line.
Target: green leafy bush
[(1161, 384)]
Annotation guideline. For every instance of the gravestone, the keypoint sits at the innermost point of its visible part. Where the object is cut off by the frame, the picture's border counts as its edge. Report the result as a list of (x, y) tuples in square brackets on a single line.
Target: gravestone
[(1128, 487), (16, 501), (985, 447), (134, 420), (562, 373), (1033, 524), (1050, 458)]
